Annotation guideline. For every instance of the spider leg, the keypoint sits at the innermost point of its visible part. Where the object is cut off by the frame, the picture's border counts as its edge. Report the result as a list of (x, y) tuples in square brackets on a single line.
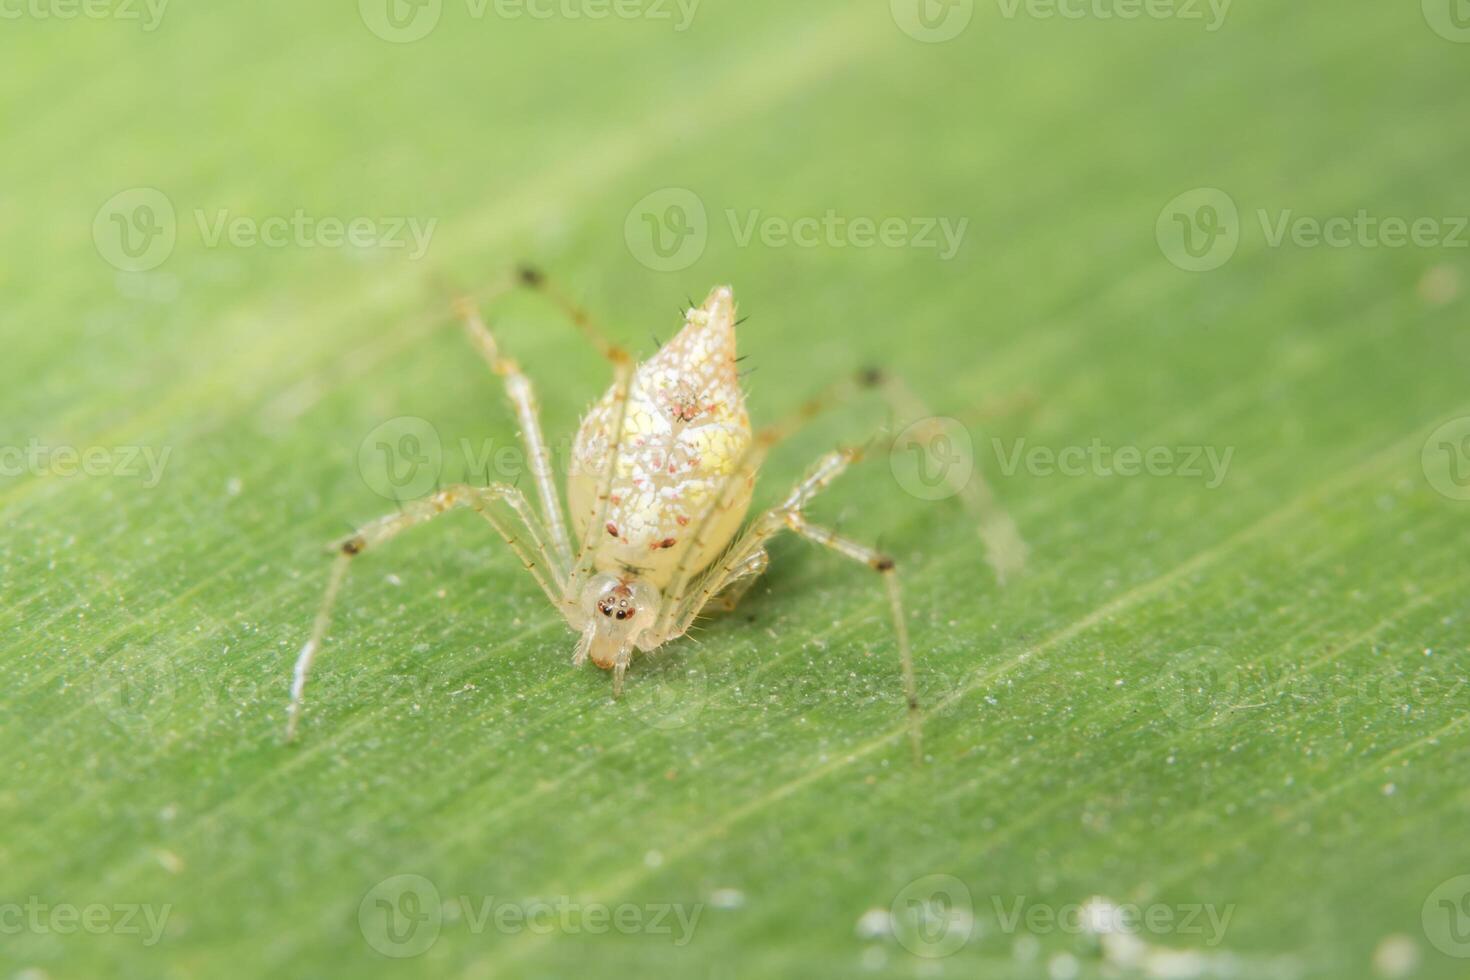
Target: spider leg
[(746, 558), (739, 558), (534, 279), (739, 582), (503, 506), (1005, 550), (528, 415), (579, 563)]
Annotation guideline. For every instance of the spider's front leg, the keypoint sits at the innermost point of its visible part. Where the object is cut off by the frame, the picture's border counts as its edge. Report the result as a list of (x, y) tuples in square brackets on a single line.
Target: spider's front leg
[(522, 396), (503, 506)]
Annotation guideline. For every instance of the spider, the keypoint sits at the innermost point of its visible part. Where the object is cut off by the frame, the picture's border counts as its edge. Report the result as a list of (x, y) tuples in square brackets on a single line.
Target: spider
[(660, 479)]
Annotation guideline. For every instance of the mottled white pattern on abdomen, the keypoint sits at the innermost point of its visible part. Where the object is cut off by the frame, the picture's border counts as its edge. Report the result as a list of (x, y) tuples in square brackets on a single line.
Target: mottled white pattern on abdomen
[(685, 432)]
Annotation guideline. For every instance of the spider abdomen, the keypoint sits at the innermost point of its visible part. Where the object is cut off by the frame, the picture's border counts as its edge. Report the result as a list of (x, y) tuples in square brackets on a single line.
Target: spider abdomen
[(685, 431)]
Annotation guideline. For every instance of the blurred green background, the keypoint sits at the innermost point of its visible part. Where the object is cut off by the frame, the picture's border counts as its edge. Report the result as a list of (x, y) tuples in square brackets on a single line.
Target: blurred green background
[(1240, 700)]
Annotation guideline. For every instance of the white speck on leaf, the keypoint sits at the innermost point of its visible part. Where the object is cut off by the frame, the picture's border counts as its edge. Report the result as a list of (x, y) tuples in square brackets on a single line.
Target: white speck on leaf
[(1395, 956), (874, 924), (1062, 966), (727, 898)]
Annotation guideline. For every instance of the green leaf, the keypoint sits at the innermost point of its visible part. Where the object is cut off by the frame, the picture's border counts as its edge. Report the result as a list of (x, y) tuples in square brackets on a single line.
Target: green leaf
[(1228, 690)]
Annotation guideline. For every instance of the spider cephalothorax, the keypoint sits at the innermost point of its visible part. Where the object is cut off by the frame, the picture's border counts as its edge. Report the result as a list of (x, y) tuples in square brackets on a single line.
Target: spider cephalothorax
[(619, 610)]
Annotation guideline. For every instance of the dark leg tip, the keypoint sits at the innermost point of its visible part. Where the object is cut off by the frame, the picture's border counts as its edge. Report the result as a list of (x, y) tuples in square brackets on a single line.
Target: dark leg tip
[(870, 377), (530, 276)]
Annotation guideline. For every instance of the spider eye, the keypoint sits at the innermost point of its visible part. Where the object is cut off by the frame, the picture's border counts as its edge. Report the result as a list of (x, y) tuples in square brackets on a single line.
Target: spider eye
[(622, 614)]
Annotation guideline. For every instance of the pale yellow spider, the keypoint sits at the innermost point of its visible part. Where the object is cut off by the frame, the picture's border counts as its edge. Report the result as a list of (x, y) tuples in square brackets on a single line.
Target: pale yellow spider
[(660, 479)]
